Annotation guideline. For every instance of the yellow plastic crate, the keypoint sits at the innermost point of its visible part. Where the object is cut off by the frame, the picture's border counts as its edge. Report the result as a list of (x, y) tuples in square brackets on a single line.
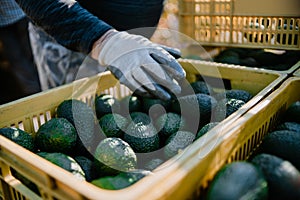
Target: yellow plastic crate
[(55, 183), (237, 142), (297, 72), (241, 23)]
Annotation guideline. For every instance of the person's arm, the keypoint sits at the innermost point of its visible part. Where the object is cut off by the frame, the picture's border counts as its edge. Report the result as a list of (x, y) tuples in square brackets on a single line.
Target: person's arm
[(144, 67), (66, 21)]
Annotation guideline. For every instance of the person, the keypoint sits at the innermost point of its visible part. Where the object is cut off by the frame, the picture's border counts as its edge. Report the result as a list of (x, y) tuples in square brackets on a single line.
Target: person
[(100, 29), (19, 76)]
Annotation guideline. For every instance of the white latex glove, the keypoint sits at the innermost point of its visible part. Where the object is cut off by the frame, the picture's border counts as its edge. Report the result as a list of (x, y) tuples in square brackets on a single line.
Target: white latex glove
[(144, 67)]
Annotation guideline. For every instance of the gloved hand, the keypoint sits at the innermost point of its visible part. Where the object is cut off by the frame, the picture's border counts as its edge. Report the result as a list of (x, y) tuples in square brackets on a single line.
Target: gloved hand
[(144, 67)]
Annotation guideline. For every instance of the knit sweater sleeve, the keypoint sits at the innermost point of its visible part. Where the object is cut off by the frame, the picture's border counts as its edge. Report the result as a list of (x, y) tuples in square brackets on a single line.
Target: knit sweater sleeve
[(66, 21)]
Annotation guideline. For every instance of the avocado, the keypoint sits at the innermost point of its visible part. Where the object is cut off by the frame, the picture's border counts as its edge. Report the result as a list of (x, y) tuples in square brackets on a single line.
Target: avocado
[(292, 114), (284, 144), (106, 103), (238, 180), (137, 117), (113, 124), (56, 135), (113, 155), (87, 165), (266, 58), (122, 180), (169, 123), (278, 67), (228, 57), (249, 62), (83, 119), (202, 87), (235, 94), (130, 104), (283, 178), (142, 137), (64, 161), (154, 107), (196, 109), (205, 129), (290, 126), (20, 137), (177, 142), (226, 107)]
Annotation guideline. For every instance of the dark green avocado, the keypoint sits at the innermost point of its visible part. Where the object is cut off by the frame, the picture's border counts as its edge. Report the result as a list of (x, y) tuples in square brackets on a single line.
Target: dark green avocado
[(282, 177), (177, 142), (20, 137), (292, 114), (284, 144), (114, 155), (142, 137), (113, 125), (238, 180), (64, 161), (83, 119), (56, 135), (106, 103)]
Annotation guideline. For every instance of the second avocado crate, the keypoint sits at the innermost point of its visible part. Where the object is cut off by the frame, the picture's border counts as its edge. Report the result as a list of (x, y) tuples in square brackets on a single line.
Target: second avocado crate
[(238, 143), (240, 23), (53, 182)]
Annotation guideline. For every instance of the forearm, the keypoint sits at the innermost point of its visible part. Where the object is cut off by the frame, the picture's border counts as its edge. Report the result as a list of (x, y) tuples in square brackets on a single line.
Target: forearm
[(68, 23)]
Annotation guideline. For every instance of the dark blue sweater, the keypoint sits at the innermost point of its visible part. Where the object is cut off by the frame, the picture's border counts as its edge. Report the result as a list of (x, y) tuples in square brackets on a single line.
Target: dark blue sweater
[(77, 26), (69, 24)]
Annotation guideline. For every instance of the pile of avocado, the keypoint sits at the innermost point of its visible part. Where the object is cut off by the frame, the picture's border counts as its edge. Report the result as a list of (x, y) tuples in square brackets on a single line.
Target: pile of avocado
[(113, 143), (272, 172), (258, 58)]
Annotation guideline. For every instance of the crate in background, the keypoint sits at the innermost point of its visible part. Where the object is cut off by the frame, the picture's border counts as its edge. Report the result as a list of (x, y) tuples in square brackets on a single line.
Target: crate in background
[(271, 24), (239, 142), (31, 112)]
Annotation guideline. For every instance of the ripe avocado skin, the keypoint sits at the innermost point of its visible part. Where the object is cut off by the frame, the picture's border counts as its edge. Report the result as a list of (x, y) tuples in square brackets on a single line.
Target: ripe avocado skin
[(64, 161), (129, 104), (235, 94), (137, 117), (290, 126), (238, 180), (83, 119), (122, 180), (169, 123), (20, 137), (284, 144), (283, 178), (195, 108), (226, 107), (177, 142), (202, 87), (56, 135), (87, 166), (113, 125), (205, 129), (147, 103), (228, 56), (106, 103), (292, 114), (113, 155), (142, 137)]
